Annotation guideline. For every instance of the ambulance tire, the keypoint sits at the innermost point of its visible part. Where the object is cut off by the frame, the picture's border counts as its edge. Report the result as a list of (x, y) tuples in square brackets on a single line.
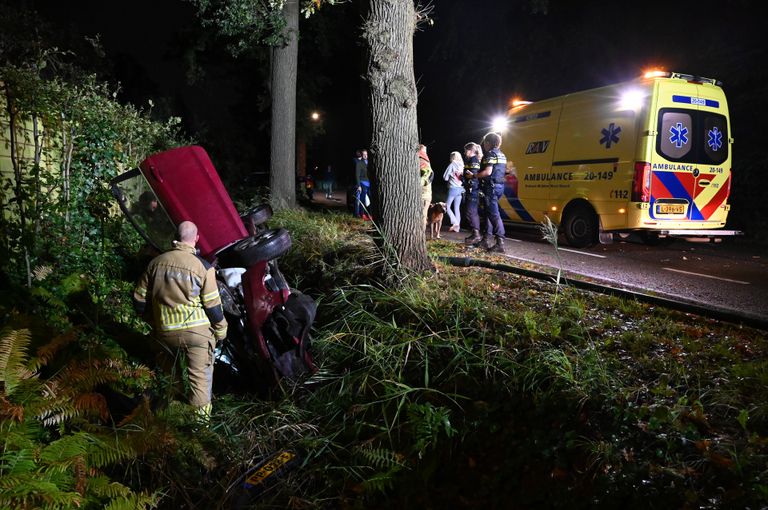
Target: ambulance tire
[(267, 245), (580, 226)]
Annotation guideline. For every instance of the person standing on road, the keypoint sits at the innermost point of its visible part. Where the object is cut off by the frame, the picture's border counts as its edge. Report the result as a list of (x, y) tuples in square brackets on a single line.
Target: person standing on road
[(452, 175), (363, 184), (425, 175), (329, 181), (472, 154), (493, 169), (178, 292)]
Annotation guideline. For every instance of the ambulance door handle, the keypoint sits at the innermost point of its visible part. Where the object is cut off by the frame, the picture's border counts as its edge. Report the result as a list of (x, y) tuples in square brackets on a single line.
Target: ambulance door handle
[(704, 183)]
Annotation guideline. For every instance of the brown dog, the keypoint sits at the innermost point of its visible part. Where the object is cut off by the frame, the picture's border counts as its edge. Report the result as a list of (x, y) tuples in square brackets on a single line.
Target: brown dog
[(435, 219)]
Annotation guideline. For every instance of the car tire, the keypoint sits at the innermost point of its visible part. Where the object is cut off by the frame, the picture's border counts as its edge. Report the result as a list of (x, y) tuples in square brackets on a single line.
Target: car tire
[(580, 226), (256, 216), (267, 245)]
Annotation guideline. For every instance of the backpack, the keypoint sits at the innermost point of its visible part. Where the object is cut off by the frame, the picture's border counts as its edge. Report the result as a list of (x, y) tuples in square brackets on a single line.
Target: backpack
[(286, 333)]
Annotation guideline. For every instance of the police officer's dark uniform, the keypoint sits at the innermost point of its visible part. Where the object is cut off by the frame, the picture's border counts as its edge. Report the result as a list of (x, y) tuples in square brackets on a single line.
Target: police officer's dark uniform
[(492, 186), (472, 187)]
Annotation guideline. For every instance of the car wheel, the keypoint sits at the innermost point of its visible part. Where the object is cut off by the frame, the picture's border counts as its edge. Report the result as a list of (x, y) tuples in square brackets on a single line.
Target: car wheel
[(580, 226), (268, 245), (257, 215)]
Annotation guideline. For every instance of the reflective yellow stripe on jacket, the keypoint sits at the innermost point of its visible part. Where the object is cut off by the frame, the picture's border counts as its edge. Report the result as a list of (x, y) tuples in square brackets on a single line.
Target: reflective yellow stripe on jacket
[(182, 317)]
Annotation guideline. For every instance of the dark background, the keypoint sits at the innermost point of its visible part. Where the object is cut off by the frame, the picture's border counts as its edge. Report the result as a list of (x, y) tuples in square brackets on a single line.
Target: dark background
[(468, 64)]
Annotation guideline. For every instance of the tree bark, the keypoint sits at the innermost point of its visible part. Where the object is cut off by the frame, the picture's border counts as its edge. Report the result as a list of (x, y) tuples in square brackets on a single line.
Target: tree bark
[(388, 30), (282, 168)]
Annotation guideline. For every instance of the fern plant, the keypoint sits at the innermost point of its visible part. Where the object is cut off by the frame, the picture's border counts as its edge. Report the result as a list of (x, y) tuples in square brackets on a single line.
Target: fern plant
[(46, 467), (385, 464)]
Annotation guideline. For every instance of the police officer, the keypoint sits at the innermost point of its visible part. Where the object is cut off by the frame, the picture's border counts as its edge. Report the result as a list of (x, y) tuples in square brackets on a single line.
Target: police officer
[(493, 169), (186, 314), (472, 155)]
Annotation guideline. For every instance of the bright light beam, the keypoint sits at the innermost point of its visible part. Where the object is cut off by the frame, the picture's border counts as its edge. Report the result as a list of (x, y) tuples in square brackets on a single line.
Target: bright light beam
[(632, 100), (499, 124)]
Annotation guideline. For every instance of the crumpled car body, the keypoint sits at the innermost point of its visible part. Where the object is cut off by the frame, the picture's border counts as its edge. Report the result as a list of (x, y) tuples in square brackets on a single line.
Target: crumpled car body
[(268, 337)]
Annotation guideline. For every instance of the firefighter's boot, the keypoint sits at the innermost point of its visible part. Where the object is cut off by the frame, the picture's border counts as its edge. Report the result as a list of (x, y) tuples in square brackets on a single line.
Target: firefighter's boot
[(499, 246), (203, 414), (473, 238)]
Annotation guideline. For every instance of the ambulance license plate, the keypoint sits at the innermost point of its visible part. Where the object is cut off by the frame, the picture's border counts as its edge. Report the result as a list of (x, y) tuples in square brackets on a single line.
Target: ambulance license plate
[(670, 208)]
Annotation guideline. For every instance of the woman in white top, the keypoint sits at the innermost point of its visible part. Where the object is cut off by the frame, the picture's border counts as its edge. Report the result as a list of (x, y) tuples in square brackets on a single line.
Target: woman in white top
[(453, 176)]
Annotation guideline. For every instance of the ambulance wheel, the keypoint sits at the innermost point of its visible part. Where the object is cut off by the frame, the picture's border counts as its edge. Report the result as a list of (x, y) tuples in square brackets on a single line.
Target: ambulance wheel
[(580, 226), (267, 245)]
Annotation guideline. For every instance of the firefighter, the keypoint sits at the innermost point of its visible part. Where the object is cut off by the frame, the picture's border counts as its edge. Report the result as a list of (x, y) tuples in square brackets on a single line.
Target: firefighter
[(179, 294)]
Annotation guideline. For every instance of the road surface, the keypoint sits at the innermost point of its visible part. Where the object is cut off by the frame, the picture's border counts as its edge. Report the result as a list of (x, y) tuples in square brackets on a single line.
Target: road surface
[(731, 275)]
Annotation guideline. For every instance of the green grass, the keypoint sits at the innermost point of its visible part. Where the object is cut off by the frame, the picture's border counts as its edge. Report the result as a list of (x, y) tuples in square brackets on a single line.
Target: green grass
[(470, 388), (601, 394)]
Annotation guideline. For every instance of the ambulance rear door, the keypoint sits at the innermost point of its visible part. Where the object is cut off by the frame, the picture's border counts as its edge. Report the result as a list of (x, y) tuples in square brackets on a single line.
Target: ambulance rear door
[(691, 162)]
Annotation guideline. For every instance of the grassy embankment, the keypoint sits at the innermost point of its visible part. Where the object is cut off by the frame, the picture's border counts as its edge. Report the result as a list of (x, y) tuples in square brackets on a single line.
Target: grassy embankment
[(497, 390), (465, 388)]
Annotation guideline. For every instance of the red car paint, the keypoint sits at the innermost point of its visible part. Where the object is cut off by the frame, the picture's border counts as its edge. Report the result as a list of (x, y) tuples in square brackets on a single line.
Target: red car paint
[(187, 184)]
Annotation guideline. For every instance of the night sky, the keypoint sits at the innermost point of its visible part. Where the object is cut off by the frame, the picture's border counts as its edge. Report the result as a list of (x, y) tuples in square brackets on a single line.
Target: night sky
[(469, 63)]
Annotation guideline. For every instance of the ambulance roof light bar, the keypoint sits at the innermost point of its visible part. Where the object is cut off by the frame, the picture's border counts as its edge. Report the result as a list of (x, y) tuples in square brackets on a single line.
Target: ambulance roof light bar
[(681, 76), (697, 79)]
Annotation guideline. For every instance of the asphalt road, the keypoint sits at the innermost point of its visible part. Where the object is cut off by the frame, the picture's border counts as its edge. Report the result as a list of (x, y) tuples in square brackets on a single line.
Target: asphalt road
[(730, 275)]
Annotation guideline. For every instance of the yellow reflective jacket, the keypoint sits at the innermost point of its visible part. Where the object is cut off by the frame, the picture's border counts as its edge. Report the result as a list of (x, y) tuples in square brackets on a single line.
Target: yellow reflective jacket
[(182, 292)]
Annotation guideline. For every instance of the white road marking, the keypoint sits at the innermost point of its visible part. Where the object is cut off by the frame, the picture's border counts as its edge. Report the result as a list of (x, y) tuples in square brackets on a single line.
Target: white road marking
[(584, 253), (706, 276)]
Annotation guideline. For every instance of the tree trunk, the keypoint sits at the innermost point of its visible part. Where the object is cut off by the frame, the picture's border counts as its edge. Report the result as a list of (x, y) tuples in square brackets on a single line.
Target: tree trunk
[(388, 30), (282, 169)]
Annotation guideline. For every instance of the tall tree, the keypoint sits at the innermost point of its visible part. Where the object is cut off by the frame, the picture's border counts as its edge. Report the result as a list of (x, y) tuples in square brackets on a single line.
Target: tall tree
[(274, 23), (282, 162), (387, 33)]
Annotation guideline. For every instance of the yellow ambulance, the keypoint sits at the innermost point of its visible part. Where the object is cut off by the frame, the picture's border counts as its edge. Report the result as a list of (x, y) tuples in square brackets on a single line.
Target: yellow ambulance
[(651, 156)]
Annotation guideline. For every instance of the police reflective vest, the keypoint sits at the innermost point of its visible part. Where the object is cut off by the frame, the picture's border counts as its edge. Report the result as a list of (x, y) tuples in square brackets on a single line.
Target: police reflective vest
[(498, 161)]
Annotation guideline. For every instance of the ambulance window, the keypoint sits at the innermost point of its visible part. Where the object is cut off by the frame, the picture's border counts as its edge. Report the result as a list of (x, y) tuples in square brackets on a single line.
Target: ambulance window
[(675, 134), (715, 136)]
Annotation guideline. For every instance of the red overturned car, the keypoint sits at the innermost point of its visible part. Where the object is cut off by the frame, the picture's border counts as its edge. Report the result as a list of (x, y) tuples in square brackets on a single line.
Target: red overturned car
[(269, 323)]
